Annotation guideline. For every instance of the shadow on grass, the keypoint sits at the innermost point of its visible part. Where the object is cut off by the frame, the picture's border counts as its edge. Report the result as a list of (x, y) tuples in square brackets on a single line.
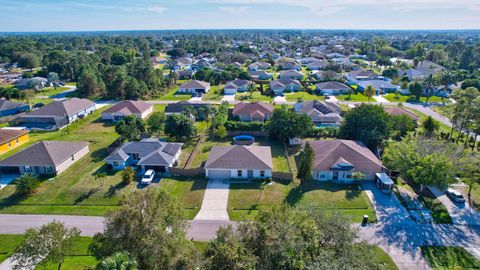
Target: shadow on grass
[(112, 190), (17, 198), (86, 195)]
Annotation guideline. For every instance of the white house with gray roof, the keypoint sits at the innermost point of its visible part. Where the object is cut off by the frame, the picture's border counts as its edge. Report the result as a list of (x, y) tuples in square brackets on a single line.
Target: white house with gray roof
[(146, 154), (332, 88), (44, 158), (280, 86), (239, 162), (237, 85), (194, 87)]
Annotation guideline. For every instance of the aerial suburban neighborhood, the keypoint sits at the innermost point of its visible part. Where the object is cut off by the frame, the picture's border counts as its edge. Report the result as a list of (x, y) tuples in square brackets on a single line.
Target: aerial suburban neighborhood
[(239, 149)]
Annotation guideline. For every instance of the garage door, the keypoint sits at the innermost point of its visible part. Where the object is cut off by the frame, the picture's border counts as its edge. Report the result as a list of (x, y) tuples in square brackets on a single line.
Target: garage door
[(219, 174)]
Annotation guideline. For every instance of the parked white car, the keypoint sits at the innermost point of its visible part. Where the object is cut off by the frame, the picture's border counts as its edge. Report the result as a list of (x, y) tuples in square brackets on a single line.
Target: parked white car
[(148, 177), (455, 195)]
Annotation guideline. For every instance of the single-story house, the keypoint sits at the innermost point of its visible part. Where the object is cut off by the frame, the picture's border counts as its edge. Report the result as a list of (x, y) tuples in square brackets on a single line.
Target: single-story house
[(45, 158), (237, 85), (379, 85), (260, 75), (125, 108), (260, 65), (291, 74), (239, 161), (27, 83), (307, 60), (185, 74), (332, 88), (317, 65), (256, 111), (394, 110), (194, 87), (280, 86), (362, 75), (321, 113), (179, 107), (327, 75), (147, 154), (336, 160), (11, 108), (57, 114), (290, 65), (11, 138)]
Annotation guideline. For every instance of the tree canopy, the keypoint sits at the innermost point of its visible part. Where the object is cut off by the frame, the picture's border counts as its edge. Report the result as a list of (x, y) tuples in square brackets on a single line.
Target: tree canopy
[(286, 124)]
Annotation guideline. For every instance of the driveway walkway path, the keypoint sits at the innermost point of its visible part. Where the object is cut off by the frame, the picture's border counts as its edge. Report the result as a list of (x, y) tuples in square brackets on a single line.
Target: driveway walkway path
[(215, 201), (228, 98), (381, 99), (461, 214), (280, 99)]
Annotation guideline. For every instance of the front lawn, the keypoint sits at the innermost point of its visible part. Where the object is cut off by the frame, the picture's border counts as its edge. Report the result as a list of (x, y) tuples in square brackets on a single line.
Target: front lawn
[(215, 93), (255, 96), (188, 191), (173, 95), (75, 191), (384, 261), (304, 96), (449, 258), (393, 97), (79, 259), (246, 199), (51, 91), (359, 97)]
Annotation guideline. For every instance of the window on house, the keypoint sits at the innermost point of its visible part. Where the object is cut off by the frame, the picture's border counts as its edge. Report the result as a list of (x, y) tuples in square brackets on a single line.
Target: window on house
[(9, 144), (239, 173), (73, 157), (115, 163), (16, 140), (48, 169), (322, 176), (136, 156), (262, 173)]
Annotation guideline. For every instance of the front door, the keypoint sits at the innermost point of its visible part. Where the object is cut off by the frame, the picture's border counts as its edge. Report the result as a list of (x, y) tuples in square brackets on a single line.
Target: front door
[(335, 175), (250, 173)]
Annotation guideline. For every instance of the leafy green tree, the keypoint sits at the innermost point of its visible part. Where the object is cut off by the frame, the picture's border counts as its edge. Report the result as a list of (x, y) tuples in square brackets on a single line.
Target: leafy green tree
[(430, 126), (227, 251), (28, 60), (286, 238), (130, 128), (367, 123), (286, 124), (401, 125), (48, 244), (149, 224), (415, 89), (369, 91), (156, 123), (90, 84), (26, 184), (180, 127), (429, 85), (221, 132), (128, 175), (53, 78), (118, 261), (306, 163)]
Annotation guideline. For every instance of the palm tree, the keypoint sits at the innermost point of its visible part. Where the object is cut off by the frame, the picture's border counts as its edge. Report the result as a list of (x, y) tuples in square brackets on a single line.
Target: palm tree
[(26, 184), (369, 91), (447, 78), (118, 261), (429, 84), (189, 111)]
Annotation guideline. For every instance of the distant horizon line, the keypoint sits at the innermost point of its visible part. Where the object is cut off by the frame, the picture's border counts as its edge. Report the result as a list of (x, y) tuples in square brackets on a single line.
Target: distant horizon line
[(240, 29)]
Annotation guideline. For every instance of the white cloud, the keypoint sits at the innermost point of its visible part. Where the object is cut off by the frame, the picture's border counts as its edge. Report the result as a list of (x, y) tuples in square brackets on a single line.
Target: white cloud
[(234, 9)]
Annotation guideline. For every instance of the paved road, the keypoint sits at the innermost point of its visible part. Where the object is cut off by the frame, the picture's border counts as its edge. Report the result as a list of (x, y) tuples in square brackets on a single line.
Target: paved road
[(461, 214), (215, 201)]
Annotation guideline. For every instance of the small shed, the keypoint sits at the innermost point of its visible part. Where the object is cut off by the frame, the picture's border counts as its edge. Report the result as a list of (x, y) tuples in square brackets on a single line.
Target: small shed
[(384, 182)]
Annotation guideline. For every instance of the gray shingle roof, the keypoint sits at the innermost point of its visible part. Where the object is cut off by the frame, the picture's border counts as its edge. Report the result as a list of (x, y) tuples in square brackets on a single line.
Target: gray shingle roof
[(46, 153), (195, 84), (332, 85), (129, 107), (10, 134), (240, 157), (7, 105), (62, 108)]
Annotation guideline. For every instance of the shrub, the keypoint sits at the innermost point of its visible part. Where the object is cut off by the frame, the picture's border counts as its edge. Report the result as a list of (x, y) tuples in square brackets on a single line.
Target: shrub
[(26, 184), (128, 175)]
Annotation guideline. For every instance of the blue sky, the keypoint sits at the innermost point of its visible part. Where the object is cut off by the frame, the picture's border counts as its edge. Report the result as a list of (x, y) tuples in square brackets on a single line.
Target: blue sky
[(80, 15)]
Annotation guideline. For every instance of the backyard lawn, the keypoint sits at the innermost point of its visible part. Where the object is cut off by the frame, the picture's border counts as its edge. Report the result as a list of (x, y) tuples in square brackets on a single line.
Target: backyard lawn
[(359, 97), (449, 258), (188, 191), (303, 95), (256, 96), (246, 199)]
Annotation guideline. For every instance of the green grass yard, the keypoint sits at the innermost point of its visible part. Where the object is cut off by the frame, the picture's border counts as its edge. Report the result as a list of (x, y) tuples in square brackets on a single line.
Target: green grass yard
[(246, 199), (359, 97), (188, 191), (449, 258), (79, 259), (303, 95), (393, 97), (256, 96), (8, 242), (51, 91), (215, 93)]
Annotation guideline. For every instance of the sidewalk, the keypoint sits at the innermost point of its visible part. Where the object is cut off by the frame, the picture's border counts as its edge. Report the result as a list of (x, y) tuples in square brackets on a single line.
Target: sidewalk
[(215, 201)]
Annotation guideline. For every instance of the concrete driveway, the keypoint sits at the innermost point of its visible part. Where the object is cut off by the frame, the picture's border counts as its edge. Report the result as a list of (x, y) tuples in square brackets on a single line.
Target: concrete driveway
[(228, 98), (461, 214), (215, 201), (280, 99), (381, 99), (6, 179), (195, 99)]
